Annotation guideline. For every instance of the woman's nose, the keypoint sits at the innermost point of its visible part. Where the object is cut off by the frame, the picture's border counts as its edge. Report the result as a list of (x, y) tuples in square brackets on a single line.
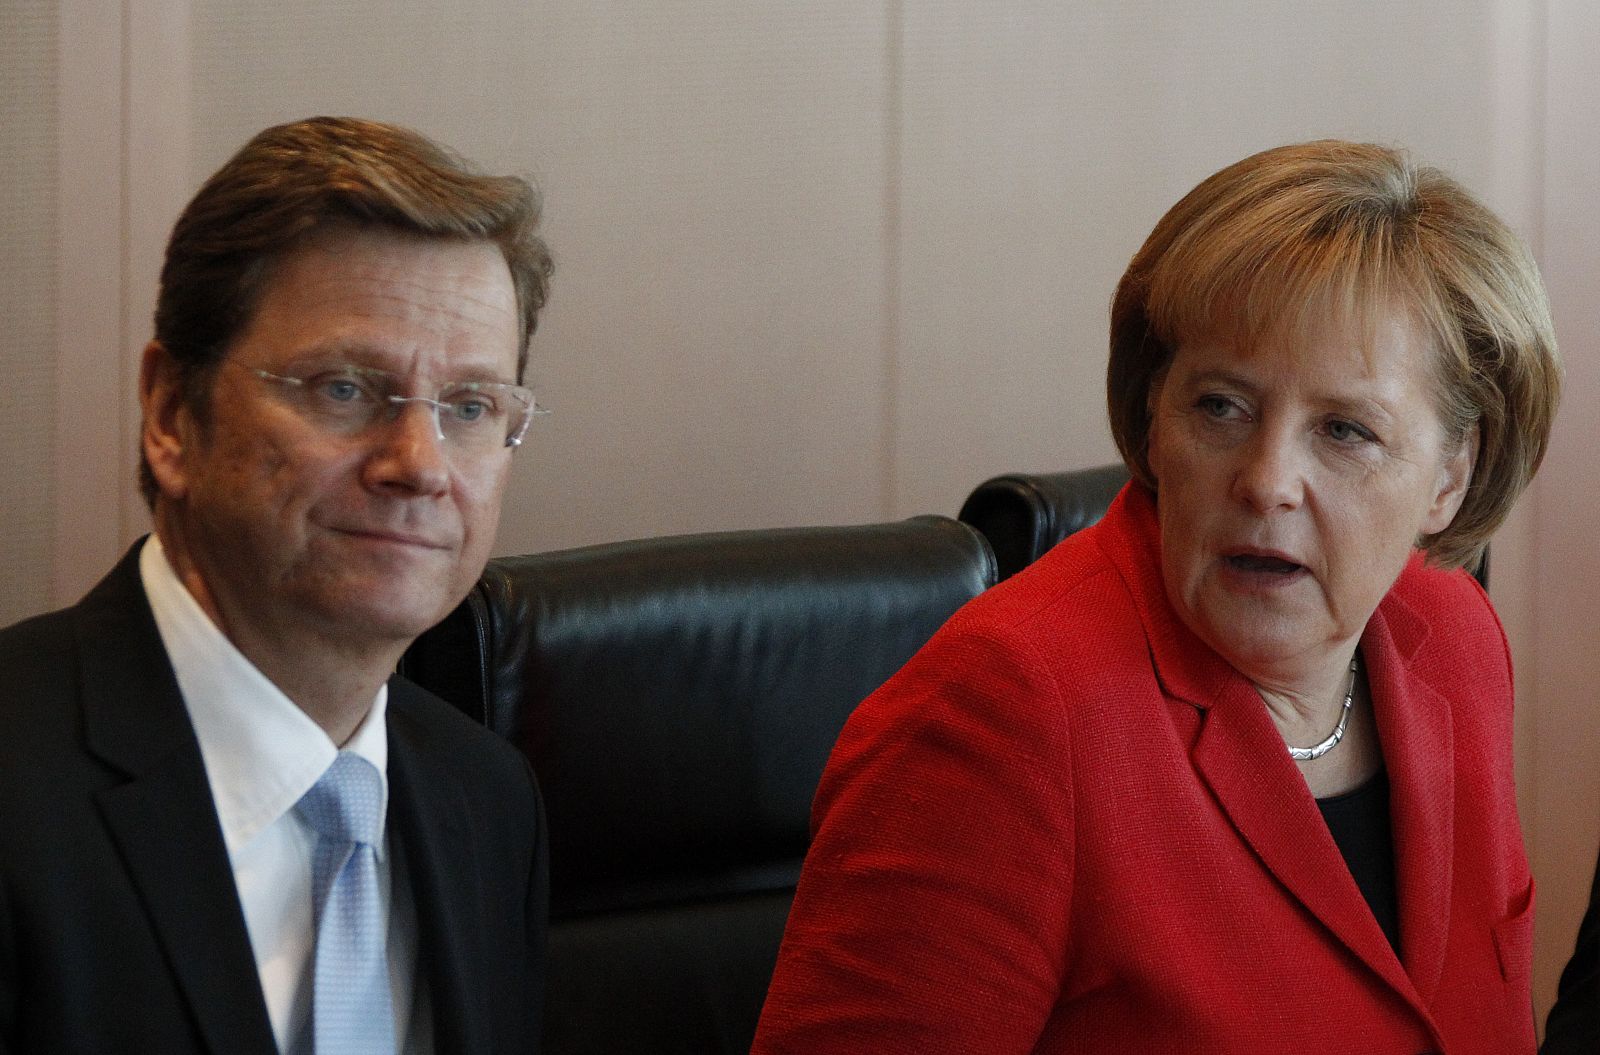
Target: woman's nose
[(1271, 473)]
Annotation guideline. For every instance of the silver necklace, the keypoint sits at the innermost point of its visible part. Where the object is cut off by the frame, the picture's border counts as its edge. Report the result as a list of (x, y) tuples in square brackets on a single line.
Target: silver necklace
[(1306, 754)]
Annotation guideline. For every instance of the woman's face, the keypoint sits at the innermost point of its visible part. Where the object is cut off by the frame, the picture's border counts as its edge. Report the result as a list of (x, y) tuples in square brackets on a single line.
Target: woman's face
[(1294, 477)]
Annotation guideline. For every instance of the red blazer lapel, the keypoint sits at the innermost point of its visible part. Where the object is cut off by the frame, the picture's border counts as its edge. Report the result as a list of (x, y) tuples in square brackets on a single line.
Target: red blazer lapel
[(1415, 726), (1241, 757)]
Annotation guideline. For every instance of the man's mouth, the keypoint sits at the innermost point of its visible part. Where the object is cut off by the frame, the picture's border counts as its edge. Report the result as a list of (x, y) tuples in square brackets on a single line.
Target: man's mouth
[(399, 538)]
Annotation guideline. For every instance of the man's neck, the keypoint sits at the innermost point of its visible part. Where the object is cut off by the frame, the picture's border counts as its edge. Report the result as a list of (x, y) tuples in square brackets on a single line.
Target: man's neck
[(335, 691), (330, 677)]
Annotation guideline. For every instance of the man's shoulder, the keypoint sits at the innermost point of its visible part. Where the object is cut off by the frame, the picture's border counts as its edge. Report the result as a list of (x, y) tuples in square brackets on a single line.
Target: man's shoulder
[(433, 727), (23, 639), (117, 600), (38, 721), (37, 658), (451, 762)]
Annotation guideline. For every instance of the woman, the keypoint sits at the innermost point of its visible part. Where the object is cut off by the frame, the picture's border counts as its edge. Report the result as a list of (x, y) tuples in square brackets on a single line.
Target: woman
[(1230, 771)]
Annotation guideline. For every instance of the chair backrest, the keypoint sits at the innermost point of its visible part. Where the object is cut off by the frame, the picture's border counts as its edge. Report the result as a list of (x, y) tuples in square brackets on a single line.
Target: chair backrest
[(1024, 514), (678, 698)]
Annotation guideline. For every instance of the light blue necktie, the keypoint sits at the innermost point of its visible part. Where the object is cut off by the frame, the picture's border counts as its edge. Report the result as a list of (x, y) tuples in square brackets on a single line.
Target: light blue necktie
[(352, 1012)]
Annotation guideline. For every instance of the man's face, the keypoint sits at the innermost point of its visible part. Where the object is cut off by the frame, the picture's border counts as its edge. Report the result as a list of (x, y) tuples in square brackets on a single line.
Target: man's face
[(364, 537)]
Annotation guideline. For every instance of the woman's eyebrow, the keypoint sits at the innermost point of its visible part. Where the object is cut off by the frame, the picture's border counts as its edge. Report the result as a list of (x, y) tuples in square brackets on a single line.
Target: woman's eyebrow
[(1221, 375)]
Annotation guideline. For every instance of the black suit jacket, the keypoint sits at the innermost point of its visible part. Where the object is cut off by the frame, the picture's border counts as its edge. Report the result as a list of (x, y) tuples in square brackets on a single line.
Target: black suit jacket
[(1573, 1027), (120, 925)]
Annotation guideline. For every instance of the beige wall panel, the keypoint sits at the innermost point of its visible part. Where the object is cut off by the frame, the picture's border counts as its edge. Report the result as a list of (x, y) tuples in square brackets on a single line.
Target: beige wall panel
[(1565, 809), (1042, 142), (714, 177), (28, 144), (91, 358)]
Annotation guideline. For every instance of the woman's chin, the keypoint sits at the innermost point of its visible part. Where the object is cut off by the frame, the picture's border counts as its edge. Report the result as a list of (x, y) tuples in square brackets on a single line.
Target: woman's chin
[(1263, 639)]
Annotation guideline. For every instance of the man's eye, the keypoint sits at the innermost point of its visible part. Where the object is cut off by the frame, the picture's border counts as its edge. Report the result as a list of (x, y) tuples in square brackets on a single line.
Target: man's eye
[(470, 403), (341, 388), (468, 409)]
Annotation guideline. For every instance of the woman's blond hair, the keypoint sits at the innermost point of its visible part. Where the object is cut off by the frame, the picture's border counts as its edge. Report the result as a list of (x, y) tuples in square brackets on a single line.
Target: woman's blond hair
[(1273, 244)]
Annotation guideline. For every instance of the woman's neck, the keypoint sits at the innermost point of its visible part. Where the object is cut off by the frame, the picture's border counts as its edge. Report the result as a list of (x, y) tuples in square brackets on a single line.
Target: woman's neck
[(1308, 716)]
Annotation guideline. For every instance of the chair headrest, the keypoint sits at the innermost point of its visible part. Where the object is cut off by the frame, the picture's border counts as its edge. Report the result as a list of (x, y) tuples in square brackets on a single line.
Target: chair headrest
[(678, 697), (1024, 514)]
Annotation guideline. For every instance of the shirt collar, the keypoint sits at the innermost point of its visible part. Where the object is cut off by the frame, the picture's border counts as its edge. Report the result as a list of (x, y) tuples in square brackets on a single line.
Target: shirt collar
[(261, 752)]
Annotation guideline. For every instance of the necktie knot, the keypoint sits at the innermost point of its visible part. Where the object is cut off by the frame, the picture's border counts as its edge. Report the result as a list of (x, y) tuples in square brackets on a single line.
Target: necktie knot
[(346, 803)]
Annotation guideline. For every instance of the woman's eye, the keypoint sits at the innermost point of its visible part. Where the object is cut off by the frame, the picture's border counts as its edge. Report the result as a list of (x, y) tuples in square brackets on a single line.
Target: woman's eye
[(1341, 431), (1217, 406)]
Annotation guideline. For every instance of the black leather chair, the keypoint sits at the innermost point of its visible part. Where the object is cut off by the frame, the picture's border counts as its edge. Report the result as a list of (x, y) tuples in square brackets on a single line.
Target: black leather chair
[(678, 698), (1024, 514)]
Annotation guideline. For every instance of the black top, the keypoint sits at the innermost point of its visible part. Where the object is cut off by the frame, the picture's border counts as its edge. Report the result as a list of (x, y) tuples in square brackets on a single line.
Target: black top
[(1359, 821)]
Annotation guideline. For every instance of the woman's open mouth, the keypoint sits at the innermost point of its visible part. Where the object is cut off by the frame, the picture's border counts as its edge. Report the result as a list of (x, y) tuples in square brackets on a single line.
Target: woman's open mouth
[(1255, 562)]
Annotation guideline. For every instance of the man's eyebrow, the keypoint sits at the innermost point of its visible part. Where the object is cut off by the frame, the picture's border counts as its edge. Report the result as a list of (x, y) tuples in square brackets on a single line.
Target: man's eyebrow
[(472, 376), (343, 352), (340, 351)]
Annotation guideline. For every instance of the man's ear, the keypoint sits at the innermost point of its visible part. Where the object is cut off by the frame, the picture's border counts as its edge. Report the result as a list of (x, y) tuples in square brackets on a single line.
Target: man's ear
[(168, 427), (1454, 476)]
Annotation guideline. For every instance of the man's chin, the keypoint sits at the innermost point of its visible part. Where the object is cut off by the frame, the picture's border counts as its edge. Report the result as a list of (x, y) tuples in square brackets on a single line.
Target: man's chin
[(384, 612), (392, 554)]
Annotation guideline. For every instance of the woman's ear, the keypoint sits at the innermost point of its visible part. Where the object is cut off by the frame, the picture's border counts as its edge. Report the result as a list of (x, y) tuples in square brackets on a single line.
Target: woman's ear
[(1455, 474)]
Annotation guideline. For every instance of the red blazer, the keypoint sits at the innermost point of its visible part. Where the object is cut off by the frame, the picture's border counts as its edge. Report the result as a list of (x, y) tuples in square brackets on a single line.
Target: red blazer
[(1067, 825)]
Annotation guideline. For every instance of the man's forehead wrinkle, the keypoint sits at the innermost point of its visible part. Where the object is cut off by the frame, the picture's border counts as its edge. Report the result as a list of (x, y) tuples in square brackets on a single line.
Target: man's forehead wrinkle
[(458, 302)]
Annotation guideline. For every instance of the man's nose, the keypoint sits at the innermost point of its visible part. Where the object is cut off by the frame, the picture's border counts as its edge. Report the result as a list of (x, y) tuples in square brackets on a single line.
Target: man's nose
[(411, 455)]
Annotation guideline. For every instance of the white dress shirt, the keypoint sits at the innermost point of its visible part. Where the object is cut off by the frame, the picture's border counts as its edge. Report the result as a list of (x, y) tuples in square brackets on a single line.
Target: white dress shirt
[(262, 753)]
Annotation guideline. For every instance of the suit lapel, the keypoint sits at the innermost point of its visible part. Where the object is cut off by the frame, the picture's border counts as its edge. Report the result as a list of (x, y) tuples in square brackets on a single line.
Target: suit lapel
[(162, 818), (1240, 755), (434, 845), (1415, 726)]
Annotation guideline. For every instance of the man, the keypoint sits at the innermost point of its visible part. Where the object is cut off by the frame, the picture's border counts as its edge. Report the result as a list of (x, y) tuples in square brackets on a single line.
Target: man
[(224, 826), (1573, 1027)]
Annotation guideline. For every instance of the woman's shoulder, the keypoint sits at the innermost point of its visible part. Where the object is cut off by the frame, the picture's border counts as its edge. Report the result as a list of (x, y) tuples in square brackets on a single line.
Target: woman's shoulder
[(1074, 589), (1066, 626), (1005, 676), (1442, 626), (1451, 602)]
